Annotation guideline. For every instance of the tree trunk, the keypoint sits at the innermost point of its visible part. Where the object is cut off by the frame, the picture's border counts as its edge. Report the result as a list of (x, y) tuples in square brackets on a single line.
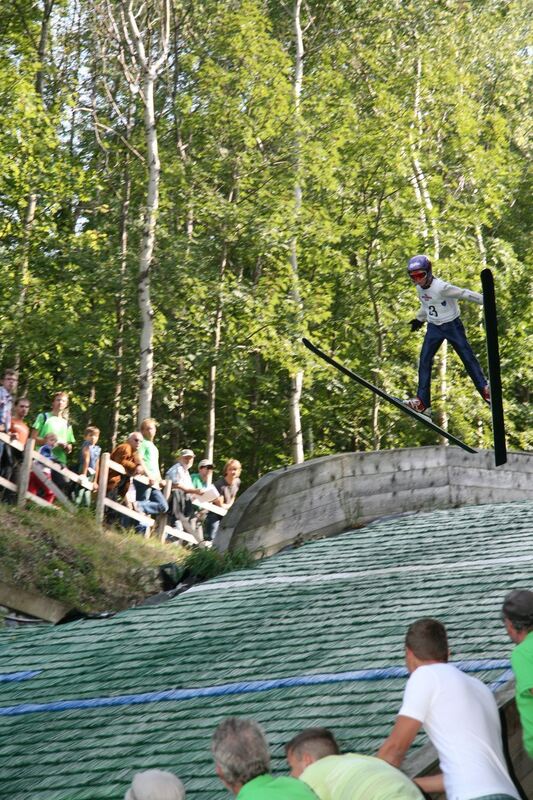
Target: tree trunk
[(121, 299), (212, 375), (296, 379), (31, 204), (146, 355), (429, 227)]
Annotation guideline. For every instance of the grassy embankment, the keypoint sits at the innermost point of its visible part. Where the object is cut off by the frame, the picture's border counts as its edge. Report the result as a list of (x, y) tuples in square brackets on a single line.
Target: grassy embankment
[(70, 559)]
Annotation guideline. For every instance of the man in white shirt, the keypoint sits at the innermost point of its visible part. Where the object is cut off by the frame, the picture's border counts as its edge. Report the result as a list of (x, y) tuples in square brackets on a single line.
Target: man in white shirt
[(440, 309), (183, 512), (460, 716)]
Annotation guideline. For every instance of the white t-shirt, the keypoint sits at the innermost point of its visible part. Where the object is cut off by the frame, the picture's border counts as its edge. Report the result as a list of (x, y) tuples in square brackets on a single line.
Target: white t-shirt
[(438, 304), (460, 716), (179, 474)]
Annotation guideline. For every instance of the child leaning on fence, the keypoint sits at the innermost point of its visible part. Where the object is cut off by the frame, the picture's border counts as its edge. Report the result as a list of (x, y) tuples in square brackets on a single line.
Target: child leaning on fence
[(89, 464), (36, 485)]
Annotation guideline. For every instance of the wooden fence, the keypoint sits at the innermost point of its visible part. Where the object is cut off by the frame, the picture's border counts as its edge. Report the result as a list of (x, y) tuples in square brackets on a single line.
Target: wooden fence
[(33, 462)]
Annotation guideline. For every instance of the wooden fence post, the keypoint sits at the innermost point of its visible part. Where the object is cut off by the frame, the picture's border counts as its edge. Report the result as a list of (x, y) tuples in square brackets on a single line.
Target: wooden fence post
[(102, 487), (161, 521), (24, 473)]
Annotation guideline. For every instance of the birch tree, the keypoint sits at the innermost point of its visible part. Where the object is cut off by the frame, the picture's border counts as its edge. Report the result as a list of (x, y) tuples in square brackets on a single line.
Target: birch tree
[(297, 376), (141, 34)]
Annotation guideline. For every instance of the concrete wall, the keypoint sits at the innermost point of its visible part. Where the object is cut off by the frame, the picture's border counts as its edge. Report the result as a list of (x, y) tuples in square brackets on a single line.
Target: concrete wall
[(332, 494)]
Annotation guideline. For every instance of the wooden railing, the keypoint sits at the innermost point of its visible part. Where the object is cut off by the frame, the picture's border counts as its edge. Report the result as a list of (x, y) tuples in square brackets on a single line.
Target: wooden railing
[(33, 462)]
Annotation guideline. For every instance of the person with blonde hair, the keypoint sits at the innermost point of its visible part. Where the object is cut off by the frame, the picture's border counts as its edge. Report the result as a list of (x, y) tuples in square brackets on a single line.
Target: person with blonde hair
[(155, 784), (227, 487)]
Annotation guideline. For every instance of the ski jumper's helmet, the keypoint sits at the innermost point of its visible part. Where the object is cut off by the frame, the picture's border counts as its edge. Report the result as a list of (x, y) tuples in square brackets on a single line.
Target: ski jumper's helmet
[(419, 270)]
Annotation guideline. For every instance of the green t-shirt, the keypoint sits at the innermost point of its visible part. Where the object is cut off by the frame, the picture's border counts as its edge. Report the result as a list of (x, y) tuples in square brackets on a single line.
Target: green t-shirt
[(150, 456), (50, 423), (522, 663), (197, 481), (267, 787), (356, 777)]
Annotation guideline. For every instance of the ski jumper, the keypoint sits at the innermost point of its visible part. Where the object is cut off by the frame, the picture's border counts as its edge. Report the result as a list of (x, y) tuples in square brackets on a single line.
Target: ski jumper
[(440, 309)]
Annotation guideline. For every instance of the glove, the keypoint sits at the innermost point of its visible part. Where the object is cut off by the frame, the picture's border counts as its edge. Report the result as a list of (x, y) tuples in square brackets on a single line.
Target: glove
[(416, 324)]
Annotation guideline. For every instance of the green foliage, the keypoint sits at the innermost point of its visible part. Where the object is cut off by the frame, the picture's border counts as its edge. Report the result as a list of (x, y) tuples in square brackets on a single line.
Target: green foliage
[(395, 97), (205, 564)]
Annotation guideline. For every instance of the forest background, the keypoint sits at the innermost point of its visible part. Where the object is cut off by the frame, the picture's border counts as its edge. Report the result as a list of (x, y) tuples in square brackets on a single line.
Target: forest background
[(187, 188)]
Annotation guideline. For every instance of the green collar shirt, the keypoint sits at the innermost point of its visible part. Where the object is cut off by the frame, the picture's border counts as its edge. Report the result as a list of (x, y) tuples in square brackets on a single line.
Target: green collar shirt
[(267, 787)]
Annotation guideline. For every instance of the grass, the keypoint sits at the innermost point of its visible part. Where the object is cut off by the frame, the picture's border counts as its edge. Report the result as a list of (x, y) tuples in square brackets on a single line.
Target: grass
[(205, 564), (68, 558)]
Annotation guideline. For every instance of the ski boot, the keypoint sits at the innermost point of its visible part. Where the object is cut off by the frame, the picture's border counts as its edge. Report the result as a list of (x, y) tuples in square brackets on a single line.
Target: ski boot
[(417, 405)]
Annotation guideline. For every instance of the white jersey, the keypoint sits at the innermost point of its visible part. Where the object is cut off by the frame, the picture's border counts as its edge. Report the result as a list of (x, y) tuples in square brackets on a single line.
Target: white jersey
[(438, 304), (460, 716)]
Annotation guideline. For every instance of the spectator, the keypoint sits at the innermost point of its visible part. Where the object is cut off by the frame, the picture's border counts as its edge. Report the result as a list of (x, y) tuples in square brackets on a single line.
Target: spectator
[(227, 486), (204, 477), (242, 762), (183, 513), (35, 485), (89, 465), (10, 458), (155, 784), (150, 499), (460, 716), (127, 455), (314, 757), (7, 389), (517, 615), (18, 429), (56, 421)]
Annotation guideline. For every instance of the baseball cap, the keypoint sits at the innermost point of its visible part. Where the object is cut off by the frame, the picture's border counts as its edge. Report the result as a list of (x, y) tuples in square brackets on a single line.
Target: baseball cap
[(205, 463), (518, 607), (187, 453)]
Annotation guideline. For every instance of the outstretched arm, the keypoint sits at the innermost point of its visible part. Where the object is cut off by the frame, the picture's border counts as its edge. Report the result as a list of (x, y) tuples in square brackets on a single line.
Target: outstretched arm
[(462, 294), (399, 741), (431, 783)]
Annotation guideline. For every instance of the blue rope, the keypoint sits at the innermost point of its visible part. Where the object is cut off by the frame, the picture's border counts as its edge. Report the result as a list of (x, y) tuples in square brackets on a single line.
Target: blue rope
[(504, 677), (247, 687), (10, 677)]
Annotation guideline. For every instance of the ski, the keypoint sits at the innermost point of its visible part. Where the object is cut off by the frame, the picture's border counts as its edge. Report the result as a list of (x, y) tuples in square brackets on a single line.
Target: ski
[(389, 398), (493, 357)]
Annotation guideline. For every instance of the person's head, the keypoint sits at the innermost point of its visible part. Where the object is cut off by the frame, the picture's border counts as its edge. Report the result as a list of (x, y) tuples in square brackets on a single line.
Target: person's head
[(517, 613), (21, 407), (419, 270), (426, 642), (92, 434), (232, 470), (307, 747), (51, 439), (149, 428), (10, 380), (59, 402), (186, 457), (135, 439), (240, 750), (205, 468), (155, 784)]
